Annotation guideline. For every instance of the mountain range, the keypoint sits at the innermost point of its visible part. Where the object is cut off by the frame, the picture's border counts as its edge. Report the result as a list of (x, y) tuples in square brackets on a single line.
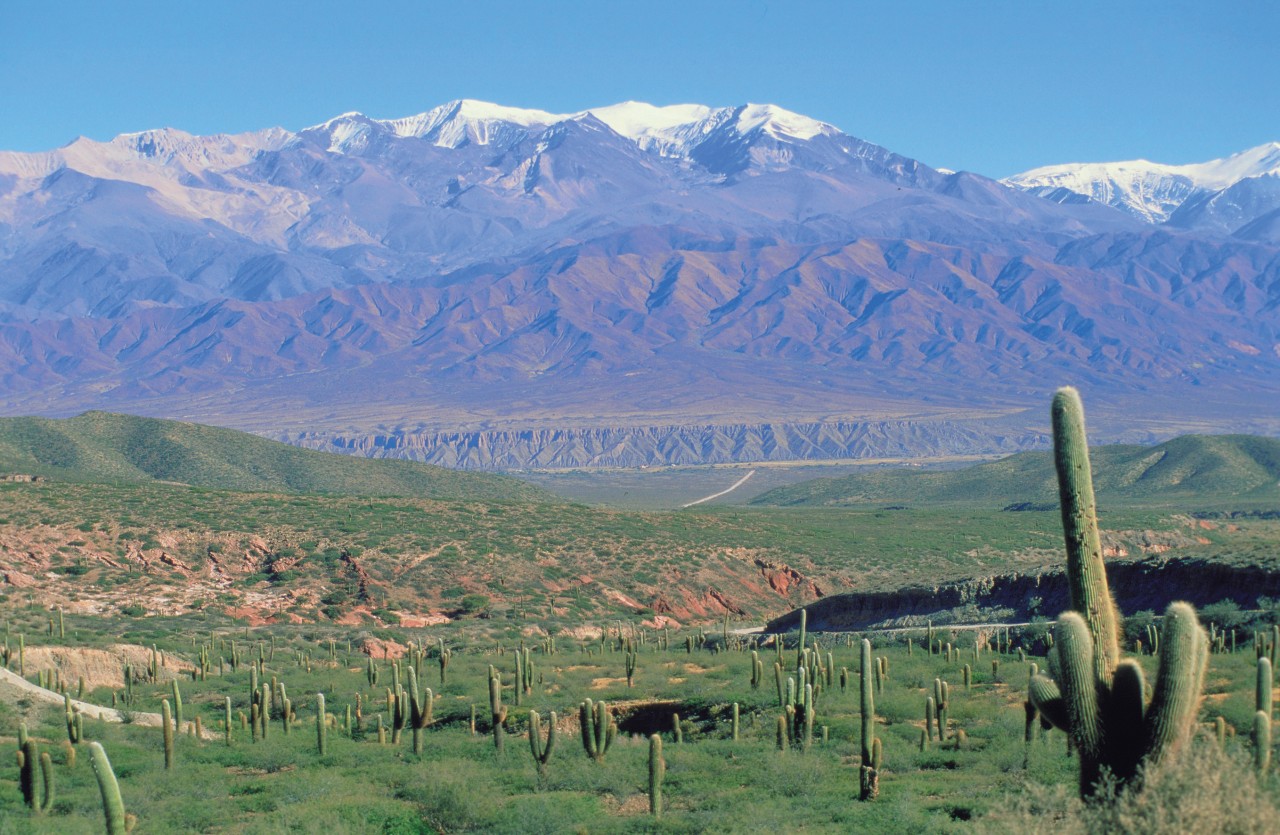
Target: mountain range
[(565, 288)]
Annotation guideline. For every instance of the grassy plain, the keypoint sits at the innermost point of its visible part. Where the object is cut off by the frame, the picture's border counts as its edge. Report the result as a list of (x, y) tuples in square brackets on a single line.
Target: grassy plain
[(460, 784)]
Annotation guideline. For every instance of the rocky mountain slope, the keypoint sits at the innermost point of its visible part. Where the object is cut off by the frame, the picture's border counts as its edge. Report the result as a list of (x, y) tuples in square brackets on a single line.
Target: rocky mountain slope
[(484, 272), (1236, 196)]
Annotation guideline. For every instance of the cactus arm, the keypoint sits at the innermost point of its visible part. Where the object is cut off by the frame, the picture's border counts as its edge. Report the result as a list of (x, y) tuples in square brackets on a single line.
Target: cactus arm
[(46, 774), (1261, 741), (1086, 573), (1126, 711), (1262, 699), (1184, 650), (1046, 697)]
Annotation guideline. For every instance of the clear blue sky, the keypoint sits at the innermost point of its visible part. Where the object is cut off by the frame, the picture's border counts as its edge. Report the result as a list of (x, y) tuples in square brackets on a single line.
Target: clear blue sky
[(994, 87)]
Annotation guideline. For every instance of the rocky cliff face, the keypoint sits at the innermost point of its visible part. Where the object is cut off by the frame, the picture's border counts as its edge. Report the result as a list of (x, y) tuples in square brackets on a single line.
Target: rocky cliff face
[(683, 445), (1151, 583)]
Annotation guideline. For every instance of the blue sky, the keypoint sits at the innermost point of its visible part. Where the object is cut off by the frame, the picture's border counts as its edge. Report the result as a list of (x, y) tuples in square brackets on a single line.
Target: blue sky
[(994, 87)]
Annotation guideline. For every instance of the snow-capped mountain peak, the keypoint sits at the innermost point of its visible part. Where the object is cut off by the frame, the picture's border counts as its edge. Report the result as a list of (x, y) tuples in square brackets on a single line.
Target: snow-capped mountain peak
[(671, 130), (463, 121), (779, 122), (1152, 191)]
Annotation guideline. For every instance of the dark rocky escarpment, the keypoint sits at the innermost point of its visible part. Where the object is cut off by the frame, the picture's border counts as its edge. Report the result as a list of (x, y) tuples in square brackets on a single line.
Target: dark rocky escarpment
[(1135, 585)]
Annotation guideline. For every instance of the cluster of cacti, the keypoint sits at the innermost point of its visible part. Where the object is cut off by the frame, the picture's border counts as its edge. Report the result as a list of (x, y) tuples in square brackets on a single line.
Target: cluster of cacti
[(1094, 695), (38, 795), (8, 654), (598, 728), (74, 720), (524, 674), (443, 656), (942, 700)]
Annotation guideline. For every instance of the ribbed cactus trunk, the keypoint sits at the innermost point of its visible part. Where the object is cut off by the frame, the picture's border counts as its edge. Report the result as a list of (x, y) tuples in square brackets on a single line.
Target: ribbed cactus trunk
[(29, 755), (112, 805), (498, 713), (657, 770), (322, 726), (869, 777), (1262, 698), (167, 731), (1086, 573), (1261, 742)]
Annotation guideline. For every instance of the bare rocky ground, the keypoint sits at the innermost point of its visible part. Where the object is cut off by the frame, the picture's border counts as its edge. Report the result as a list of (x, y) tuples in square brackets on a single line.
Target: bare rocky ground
[(98, 667)]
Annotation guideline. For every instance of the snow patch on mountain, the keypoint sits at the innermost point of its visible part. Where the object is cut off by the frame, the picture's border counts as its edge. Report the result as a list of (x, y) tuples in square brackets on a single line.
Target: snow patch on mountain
[(1151, 191)]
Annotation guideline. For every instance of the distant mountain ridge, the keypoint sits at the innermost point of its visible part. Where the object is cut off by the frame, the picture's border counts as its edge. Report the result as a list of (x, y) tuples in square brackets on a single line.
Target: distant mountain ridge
[(478, 268)]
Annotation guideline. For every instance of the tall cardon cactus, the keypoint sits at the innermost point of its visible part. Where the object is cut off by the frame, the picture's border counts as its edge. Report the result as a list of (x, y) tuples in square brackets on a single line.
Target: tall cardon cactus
[(1098, 698)]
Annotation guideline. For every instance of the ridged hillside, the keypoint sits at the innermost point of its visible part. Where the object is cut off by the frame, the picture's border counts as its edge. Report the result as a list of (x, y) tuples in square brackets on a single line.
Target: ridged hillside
[(102, 446), (1192, 465)]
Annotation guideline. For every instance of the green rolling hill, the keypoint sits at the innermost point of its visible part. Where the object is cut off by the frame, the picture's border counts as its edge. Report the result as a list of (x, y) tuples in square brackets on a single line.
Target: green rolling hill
[(1191, 466), (107, 447)]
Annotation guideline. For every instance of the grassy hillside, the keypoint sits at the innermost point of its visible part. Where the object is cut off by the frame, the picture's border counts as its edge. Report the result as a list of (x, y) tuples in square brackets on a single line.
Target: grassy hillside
[(1191, 466), (105, 447)]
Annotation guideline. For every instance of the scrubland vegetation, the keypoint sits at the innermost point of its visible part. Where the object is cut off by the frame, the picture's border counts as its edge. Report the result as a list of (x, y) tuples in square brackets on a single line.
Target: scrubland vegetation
[(541, 716)]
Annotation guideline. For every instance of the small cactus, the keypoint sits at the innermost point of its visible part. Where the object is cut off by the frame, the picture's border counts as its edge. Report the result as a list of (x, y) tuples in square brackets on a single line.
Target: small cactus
[(167, 731), (498, 712), (541, 753), (322, 725), (629, 663), (657, 770)]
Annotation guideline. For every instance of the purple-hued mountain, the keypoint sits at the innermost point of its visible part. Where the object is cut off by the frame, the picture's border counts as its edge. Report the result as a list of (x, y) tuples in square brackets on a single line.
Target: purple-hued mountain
[(483, 285)]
